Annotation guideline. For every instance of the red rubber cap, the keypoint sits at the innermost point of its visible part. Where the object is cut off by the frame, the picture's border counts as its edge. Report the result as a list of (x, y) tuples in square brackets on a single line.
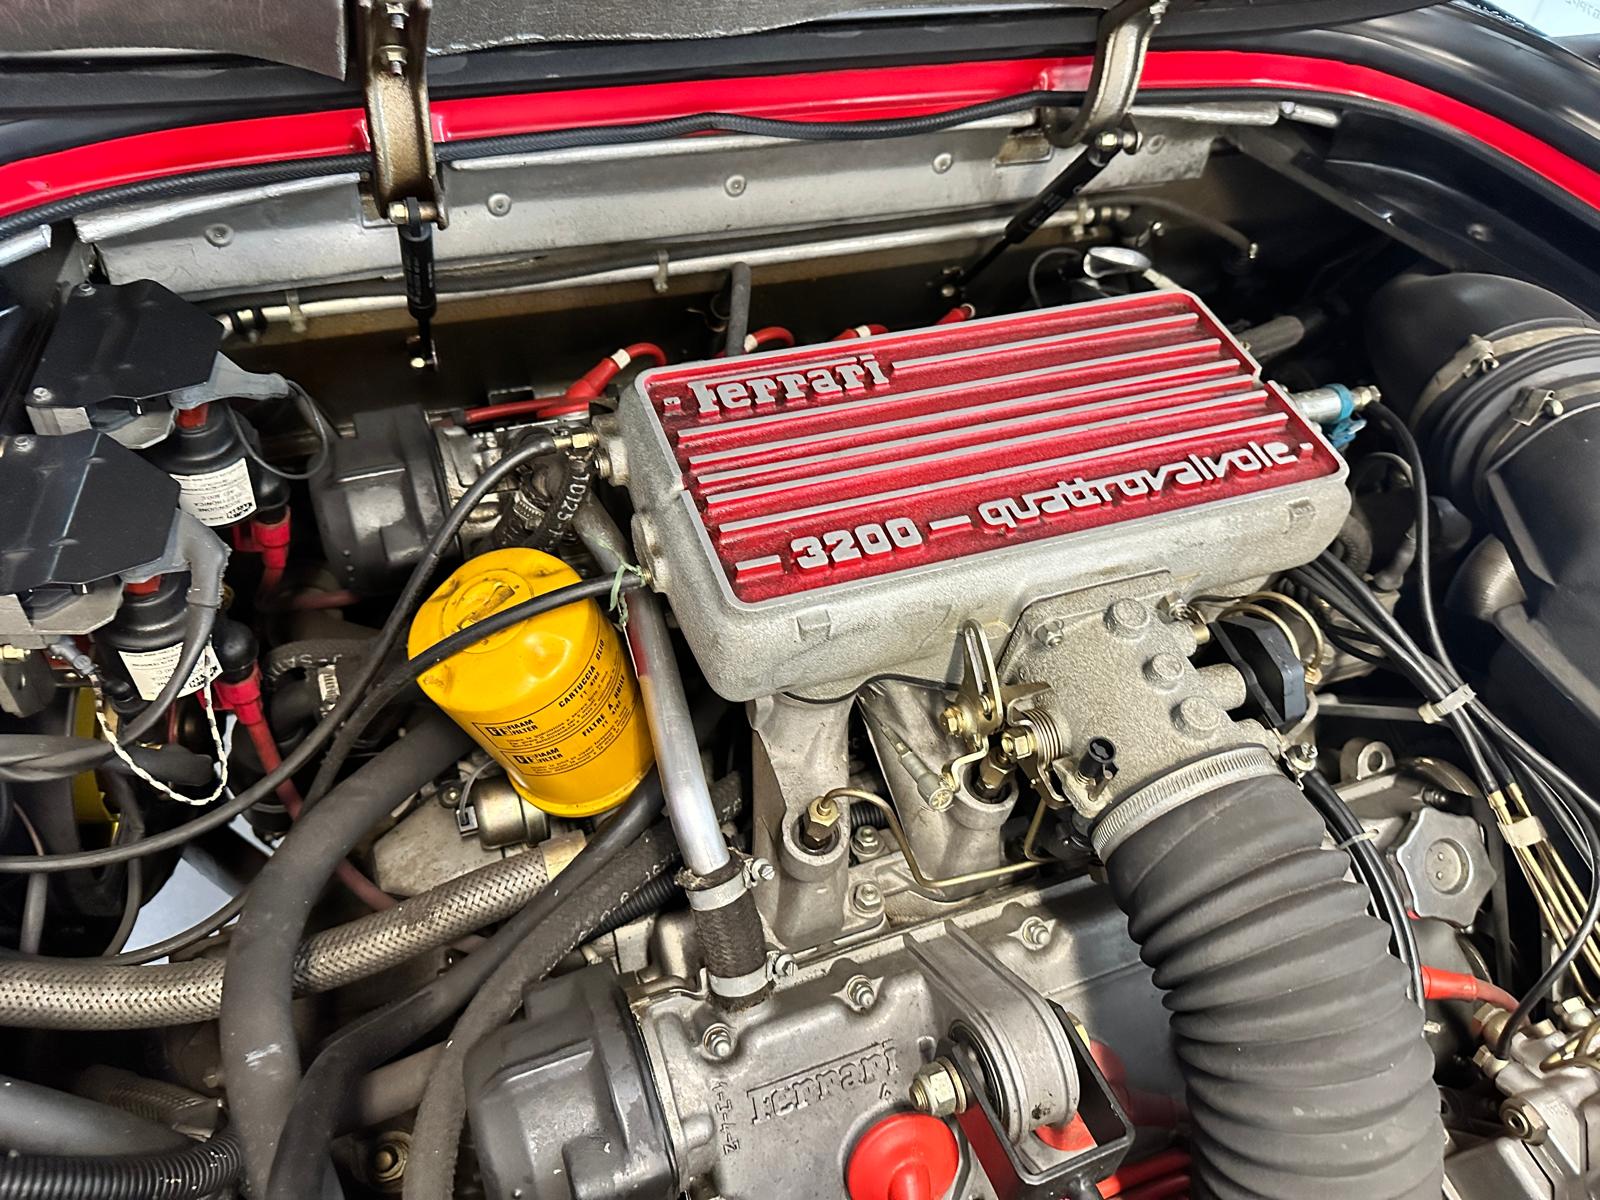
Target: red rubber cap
[(908, 1156)]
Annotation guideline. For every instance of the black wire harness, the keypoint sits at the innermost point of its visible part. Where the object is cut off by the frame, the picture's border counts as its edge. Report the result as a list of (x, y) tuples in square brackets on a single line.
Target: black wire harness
[(1502, 760)]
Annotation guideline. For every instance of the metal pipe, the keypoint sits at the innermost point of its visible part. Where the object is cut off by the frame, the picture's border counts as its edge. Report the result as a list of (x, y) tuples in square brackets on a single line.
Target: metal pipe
[(683, 779)]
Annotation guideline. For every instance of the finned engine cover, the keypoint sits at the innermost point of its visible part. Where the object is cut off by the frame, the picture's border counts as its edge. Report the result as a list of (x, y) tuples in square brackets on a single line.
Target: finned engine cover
[(821, 514)]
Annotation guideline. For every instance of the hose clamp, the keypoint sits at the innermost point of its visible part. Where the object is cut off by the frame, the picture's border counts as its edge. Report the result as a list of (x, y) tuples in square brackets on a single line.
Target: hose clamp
[(738, 987), (1481, 355), (1127, 817), (718, 895)]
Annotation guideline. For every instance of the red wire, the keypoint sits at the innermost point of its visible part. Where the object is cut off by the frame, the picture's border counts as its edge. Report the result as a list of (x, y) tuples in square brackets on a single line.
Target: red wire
[(358, 884), (773, 336), (1162, 1189), (575, 399), (1156, 1168), (1438, 984)]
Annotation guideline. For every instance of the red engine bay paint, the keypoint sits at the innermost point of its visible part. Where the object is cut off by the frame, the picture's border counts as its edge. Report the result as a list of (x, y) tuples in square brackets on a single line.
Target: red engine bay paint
[(821, 96), (830, 463)]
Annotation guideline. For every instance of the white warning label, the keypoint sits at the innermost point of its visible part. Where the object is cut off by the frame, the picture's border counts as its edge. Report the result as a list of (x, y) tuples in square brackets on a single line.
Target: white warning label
[(150, 670), (218, 497)]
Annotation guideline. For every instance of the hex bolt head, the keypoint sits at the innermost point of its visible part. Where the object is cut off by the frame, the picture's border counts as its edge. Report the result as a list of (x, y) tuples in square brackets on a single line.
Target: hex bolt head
[(1049, 634), (866, 841), (735, 185), (1016, 744), (389, 1160), (758, 871), (717, 1042), (936, 1090), (1300, 757), (954, 719), (42, 395), (781, 965), (498, 204), (867, 898), (1522, 1121)]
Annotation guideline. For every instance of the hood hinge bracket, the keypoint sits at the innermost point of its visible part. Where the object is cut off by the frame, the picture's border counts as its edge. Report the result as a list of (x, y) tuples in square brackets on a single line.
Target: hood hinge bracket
[(405, 175)]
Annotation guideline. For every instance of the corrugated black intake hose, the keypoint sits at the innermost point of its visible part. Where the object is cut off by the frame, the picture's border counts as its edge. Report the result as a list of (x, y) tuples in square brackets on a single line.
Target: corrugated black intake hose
[(188, 1173), (1305, 1066), (260, 1057)]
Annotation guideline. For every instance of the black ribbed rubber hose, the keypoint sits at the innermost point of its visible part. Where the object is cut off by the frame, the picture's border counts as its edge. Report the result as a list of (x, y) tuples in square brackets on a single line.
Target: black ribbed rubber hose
[(188, 1173), (1304, 1062)]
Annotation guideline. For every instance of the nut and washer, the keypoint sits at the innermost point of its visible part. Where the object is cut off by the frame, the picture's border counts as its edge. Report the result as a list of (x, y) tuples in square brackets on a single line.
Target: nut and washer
[(866, 841), (867, 899), (936, 1089), (860, 993), (1034, 933), (1522, 1121)]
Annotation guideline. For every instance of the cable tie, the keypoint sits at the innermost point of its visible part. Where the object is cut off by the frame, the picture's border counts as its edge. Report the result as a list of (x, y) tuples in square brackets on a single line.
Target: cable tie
[(615, 604), (1435, 711), (1523, 832), (1366, 835)]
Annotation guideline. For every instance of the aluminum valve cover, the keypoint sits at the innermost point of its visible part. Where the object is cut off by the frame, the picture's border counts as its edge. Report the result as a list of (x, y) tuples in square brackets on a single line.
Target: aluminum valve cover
[(821, 514)]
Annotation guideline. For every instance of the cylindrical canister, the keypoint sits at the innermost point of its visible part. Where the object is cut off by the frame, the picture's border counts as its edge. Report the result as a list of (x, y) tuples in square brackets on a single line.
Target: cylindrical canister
[(553, 699)]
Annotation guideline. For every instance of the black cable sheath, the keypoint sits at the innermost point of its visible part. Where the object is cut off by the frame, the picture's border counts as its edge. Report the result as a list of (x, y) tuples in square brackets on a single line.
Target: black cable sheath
[(1390, 906), (380, 1035), (201, 1169), (739, 288)]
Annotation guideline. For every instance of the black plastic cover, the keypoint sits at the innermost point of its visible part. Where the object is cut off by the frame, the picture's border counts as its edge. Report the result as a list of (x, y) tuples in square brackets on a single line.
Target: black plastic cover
[(1274, 676), (123, 343), (78, 508), (381, 497), (561, 1102)]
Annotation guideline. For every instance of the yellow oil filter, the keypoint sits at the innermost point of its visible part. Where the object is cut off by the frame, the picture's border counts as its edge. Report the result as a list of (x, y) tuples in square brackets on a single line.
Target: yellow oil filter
[(553, 699)]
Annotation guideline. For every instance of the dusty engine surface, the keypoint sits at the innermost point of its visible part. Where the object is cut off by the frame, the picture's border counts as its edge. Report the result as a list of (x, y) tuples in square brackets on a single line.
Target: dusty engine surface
[(820, 515)]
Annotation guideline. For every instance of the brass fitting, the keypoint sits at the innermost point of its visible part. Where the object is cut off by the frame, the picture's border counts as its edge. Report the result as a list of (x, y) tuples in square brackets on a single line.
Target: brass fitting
[(823, 818)]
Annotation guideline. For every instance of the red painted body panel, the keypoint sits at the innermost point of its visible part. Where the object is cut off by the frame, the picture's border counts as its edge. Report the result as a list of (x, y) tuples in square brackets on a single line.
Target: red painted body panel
[(820, 96), (825, 464)]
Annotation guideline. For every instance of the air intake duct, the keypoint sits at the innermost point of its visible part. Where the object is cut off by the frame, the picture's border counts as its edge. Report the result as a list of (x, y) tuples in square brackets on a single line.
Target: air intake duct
[(1303, 1057), (1500, 381)]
